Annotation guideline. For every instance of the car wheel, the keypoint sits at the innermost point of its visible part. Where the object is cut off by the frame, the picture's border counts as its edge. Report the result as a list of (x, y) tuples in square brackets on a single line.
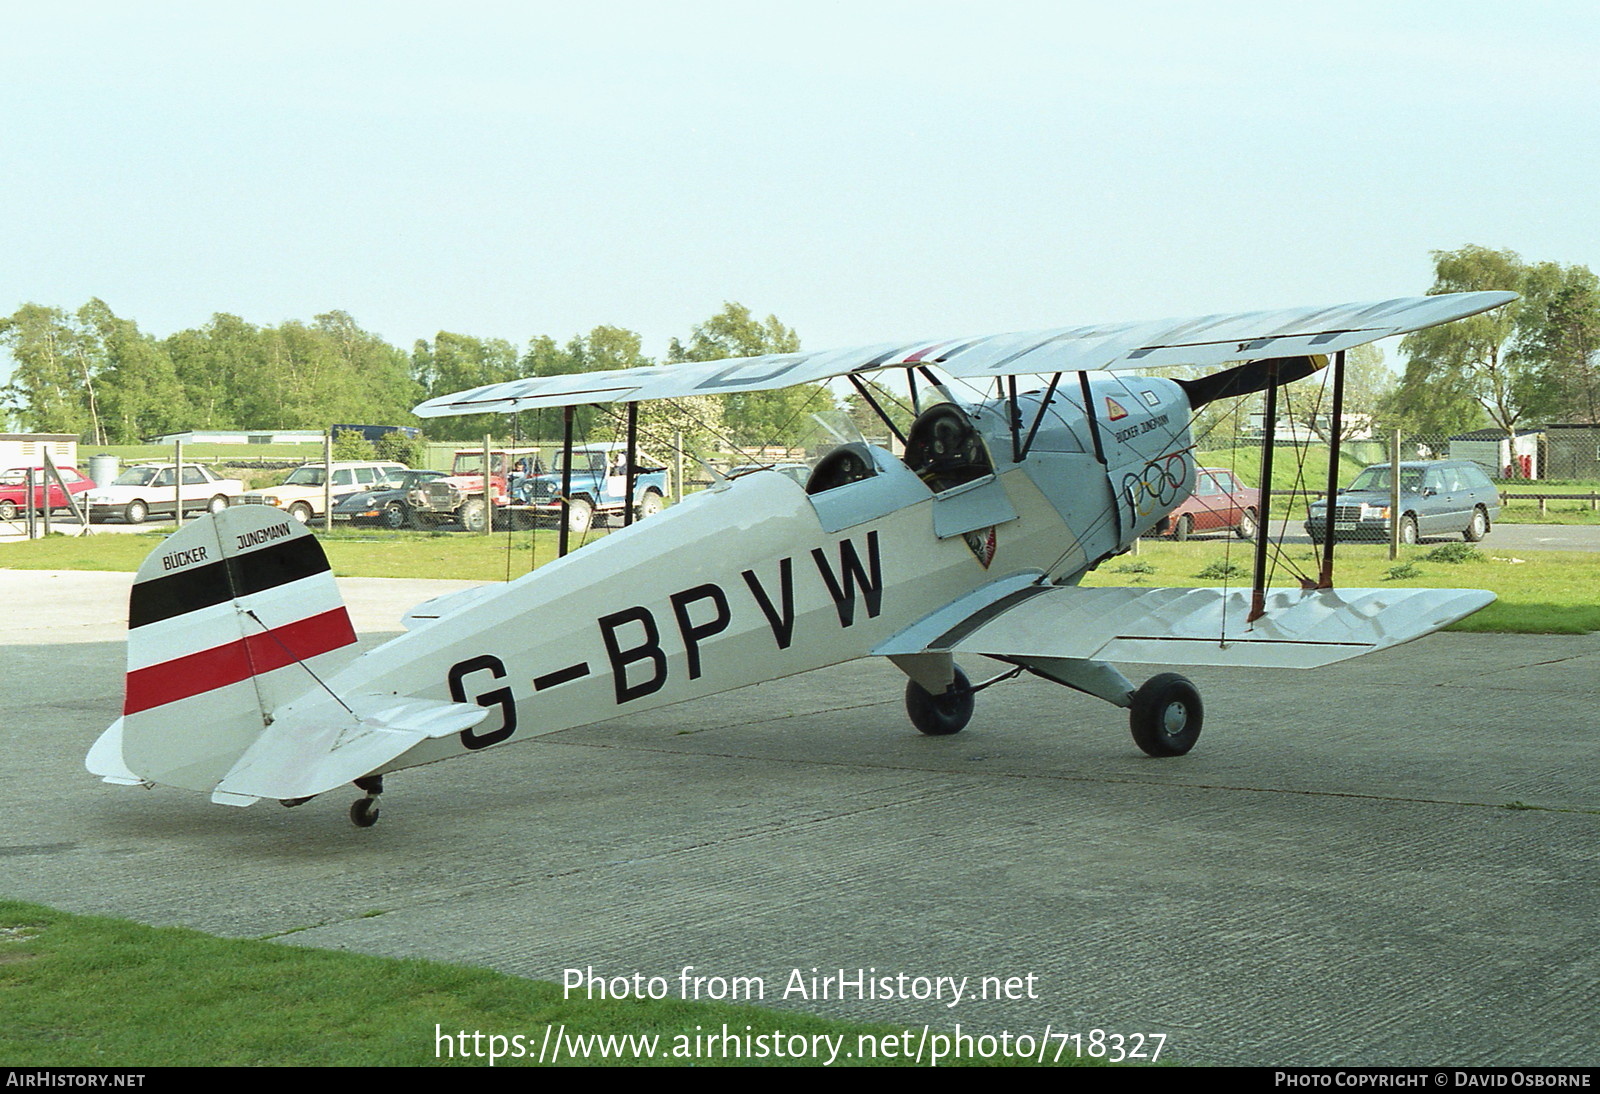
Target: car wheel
[(1184, 528), (1478, 528), (474, 515), (580, 516), (1166, 715), (135, 512), (394, 516), (8, 510), (301, 512), (649, 505), (1408, 530), (941, 715), (1248, 524), (217, 504)]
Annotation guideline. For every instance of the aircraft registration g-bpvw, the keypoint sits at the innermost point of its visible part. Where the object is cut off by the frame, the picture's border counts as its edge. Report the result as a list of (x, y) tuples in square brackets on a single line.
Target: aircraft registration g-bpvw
[(243, 680)]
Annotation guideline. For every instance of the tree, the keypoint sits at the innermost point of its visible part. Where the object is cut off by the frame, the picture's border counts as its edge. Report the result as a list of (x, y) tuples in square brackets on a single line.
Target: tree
[(1367, 386), (458, 362), (398, 447), (754, 417), (1565, 347), (47, 388), (1475, 357), (352, 444), (141, 393)]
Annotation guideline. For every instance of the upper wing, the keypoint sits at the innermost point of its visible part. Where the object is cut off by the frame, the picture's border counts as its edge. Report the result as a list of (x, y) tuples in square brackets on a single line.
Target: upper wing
[(1167, 626), (1208, 340)]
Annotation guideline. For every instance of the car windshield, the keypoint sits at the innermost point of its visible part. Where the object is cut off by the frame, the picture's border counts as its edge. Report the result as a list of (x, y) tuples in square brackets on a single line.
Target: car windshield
[(304, 476), (409, 480), (1378, 478), (135, 476)]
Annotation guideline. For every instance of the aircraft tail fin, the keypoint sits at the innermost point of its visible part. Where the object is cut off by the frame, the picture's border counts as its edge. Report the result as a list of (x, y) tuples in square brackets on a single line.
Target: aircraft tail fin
[(230, 618)]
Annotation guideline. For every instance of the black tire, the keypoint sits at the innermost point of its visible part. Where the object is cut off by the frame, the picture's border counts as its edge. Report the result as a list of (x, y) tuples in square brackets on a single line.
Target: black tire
[(364, 812), (1183, 528), (394, 516), (649, 505), (1249, 525), (941, 715), (1166, 715), (135, 512), (1479, 526), (580, 516), (1408, 531), (217, 504), (8, 510), (301, 512), (474, 515)]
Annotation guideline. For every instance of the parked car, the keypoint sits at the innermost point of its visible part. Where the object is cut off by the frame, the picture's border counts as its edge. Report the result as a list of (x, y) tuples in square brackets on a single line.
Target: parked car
[(148, 490), (385, 504), (1437, 497), (301, 494), (14, 490), (1220, 503)]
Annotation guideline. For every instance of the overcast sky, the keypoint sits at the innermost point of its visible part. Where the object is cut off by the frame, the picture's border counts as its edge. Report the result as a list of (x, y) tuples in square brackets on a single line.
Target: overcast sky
[(864, 170)]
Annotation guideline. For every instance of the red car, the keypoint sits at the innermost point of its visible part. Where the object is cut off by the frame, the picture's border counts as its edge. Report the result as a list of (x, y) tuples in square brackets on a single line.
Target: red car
[(1220, 503), (14, 490)]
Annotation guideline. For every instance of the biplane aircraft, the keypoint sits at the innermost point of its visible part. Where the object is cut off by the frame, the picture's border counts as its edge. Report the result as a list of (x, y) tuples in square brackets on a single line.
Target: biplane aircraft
[(243, 680)]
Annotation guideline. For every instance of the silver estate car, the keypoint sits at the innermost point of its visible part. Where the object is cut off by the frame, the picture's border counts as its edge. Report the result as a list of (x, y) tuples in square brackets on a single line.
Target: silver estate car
[(1437, 498)]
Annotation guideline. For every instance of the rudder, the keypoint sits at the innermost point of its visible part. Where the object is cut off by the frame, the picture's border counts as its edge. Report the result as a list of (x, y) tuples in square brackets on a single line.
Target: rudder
[(228, 620)]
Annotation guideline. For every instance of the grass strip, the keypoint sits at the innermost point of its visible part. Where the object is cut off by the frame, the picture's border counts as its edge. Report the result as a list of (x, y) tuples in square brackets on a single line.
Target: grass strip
[(88, 991)]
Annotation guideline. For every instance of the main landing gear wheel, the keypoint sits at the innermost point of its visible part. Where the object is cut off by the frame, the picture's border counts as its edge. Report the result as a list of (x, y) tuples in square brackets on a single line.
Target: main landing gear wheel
[(1166, 715), (364, 811), (941, 715)]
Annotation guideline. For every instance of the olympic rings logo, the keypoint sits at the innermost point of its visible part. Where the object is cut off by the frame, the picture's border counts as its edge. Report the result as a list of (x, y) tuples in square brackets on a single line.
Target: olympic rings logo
[(1158, 486)]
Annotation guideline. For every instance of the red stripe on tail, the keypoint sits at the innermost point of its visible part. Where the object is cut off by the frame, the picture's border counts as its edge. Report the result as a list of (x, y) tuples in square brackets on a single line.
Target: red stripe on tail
[(220, 666)]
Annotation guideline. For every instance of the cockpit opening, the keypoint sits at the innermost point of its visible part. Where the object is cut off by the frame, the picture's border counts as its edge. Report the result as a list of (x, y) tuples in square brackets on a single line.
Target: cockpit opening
[(944, 449), (846, 464)]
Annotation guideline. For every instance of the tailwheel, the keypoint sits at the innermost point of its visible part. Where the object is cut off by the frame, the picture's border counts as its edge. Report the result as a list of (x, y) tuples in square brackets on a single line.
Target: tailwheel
[(941, 715), (364, 811), (1166, 715)]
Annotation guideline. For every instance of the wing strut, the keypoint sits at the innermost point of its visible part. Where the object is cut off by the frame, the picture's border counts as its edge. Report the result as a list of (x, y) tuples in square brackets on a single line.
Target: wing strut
[(566, 479), (1325, 579), (1269, 437), (633, 459)]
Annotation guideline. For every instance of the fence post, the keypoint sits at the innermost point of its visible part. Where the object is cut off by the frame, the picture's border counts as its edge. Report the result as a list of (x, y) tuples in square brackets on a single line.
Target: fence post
[(1394, 497)]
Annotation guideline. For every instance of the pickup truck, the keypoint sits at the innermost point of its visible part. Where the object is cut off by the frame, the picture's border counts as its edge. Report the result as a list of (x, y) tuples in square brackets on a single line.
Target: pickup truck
[(599, 487), (524, 490)]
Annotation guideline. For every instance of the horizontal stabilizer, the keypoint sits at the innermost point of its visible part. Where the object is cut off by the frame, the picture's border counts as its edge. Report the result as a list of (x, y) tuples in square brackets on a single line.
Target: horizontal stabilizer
[(1169, 626), (431, 611), (1204, 340), (317, 745)]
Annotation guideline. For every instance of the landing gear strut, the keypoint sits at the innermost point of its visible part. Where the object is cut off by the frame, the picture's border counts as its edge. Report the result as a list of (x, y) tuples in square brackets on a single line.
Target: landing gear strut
[(364, 811)]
